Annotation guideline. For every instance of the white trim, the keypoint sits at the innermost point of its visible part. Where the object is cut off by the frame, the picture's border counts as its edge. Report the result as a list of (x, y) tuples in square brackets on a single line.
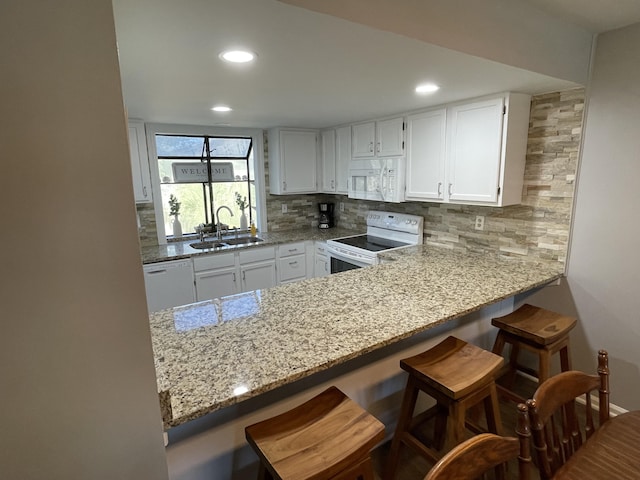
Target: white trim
[(257, 136)]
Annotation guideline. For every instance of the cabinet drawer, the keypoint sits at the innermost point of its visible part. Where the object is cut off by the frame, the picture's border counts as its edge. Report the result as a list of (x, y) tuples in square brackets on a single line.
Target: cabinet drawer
[(292, 267), (321, 249), (219, 260), (256, 254), (291, 249)]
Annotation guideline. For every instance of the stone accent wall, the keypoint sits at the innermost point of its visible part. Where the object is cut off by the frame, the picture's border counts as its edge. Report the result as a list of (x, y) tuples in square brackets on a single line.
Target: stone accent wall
[(148, 230)]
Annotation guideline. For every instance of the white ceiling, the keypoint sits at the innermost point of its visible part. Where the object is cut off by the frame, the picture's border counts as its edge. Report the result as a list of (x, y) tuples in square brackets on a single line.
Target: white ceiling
[(313, 70)]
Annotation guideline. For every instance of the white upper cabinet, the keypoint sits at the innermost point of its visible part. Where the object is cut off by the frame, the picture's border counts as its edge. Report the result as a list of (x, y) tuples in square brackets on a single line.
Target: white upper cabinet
[(469, 153), (426, 140), (139, 162), (293, 158), (343, 157), (475, 151), (328, 147), (336, 154), (384, 138)]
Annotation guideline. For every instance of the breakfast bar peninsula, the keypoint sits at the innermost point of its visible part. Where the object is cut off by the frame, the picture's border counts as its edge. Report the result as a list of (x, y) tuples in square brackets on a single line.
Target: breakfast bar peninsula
[(248, 356)]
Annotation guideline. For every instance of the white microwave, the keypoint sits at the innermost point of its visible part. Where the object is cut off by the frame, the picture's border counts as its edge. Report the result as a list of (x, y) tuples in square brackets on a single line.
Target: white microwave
[(380, 179)]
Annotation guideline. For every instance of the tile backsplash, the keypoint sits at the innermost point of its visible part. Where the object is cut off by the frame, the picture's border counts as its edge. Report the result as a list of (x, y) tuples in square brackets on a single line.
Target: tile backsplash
[(538, 228)]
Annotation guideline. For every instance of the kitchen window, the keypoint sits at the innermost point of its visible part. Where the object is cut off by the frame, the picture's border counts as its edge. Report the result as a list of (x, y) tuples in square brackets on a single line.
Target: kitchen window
[(204, 172)]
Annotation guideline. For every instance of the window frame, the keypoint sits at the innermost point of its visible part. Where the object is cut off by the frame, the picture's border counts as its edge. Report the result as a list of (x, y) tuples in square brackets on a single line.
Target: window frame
[(257, 136)]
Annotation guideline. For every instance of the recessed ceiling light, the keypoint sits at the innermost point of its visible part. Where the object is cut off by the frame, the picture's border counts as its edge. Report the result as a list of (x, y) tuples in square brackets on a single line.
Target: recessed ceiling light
[(427, 88), (221, 108), (237, 56)]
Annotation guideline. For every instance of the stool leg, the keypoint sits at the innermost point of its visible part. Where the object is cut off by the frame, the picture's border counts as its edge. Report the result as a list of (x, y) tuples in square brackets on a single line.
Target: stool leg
[(455, 425), (544, 363), (492, 411), (263, 473), (404, 422), (565, 358), (440, 426)]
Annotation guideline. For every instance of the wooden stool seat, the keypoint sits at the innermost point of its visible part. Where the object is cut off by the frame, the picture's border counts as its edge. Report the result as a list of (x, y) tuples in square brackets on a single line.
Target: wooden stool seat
[(327, 437), (539, 331), (457, 375)]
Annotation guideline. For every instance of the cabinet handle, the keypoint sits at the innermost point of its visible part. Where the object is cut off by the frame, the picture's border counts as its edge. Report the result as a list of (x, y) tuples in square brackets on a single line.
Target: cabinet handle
[(439, 189), (234, 277), (450, 185), (332, 184), (284, 186), (243, 272), (370, 147), (144, 191), (378, 145), (291, 250), (293, 263)]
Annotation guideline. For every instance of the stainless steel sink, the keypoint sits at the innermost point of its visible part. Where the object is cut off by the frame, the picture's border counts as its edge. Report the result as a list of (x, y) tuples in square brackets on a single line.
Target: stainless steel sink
[(207, 244), (225, 242), (241, 240)]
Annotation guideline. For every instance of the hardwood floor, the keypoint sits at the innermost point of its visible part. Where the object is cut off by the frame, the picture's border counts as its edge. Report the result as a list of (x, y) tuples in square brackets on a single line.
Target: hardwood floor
[(415, 467)]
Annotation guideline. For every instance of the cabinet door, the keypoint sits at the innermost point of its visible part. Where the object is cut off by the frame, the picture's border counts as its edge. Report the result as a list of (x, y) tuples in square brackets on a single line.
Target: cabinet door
[(363, 137), (475, 151), (328, 145), (343, 157), (298, 154), (390, 137), (258, 275), (426, 140), (293, 268), (216, 283), (139, 162)]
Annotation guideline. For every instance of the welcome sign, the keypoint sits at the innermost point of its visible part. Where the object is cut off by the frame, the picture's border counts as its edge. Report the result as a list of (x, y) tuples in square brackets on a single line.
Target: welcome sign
[(196, 172)]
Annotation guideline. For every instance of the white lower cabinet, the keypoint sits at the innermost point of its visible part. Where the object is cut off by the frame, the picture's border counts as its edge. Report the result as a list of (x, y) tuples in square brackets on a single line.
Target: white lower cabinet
[(223, 274), (322, 266), (294, 262), (216, 276), (257, 268)]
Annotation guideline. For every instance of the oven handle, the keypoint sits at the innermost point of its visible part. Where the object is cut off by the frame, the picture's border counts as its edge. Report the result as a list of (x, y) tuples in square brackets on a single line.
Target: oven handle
[(341, 254)]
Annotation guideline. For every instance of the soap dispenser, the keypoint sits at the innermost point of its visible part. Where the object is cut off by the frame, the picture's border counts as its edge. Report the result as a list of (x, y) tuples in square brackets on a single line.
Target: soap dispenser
[(254, 230)]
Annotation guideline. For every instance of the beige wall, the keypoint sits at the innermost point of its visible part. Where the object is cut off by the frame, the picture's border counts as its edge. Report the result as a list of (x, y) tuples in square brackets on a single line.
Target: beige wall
[(513, 33), (604, 265), (77, 384)]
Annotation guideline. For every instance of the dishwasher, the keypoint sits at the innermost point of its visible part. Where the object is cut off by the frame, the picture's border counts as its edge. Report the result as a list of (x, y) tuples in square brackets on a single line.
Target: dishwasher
[(169, 284)]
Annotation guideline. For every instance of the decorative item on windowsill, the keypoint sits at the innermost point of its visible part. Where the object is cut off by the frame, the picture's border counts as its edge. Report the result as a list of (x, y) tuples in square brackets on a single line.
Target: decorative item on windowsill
[(174, 206), (242, 203)]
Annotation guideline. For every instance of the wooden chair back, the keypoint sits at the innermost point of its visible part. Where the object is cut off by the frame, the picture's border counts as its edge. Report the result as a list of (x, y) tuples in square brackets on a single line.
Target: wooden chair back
[(476, 457), (558, 426)]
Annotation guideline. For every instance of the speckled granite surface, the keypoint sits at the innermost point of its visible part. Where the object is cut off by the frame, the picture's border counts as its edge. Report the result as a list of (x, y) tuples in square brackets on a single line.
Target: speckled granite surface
[(178, 250), (213, 354)]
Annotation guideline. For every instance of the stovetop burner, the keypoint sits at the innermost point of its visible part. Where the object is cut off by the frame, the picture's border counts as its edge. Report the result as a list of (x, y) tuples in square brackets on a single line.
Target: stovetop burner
[(371, 243)]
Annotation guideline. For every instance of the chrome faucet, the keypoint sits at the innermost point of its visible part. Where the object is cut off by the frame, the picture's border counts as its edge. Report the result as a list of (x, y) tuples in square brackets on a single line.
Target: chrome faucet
[(219, 229)]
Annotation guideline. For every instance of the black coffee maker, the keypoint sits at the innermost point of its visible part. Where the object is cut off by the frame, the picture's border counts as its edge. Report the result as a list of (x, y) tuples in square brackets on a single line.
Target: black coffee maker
[(326, 215)]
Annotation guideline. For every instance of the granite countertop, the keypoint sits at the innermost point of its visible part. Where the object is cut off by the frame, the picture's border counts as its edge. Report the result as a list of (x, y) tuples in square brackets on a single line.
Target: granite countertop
[(178, 250), (213, 354)]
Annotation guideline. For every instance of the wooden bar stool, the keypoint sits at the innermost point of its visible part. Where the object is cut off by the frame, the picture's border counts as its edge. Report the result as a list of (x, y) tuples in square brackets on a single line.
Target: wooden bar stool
[(457, 375), (536, 330), (327, 437)]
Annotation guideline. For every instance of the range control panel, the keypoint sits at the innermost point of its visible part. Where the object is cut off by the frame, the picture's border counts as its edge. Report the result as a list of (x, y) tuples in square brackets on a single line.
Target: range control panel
[(400, 222)]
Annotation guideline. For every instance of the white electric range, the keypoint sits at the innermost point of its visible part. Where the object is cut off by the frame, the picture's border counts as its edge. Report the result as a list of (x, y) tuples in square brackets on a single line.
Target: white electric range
[(386, 231)]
